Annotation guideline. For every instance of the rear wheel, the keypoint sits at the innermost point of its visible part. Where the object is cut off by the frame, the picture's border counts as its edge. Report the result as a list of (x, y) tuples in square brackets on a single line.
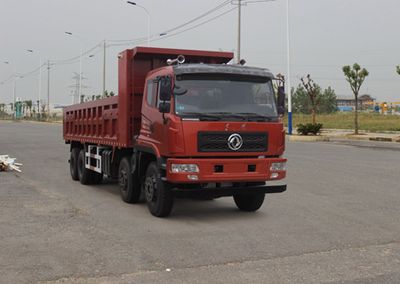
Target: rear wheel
[(249, 202), (158, 194), (129, 186), (85, 175), (73, 163)]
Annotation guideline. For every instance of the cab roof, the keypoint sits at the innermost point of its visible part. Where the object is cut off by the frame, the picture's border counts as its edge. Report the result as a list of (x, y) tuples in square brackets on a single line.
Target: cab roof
[(222, 69)]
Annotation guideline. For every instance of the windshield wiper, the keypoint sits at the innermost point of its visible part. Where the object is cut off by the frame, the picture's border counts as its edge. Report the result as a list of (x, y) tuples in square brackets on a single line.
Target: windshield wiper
[(229, 114), (256, 116), (202, 116), (248, 116), (210, 116)]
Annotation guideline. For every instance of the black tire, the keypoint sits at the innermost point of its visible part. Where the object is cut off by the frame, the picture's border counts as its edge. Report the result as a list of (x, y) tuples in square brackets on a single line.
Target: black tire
[(97, 178), (85, 175), (129, 186), (158, 194), (73, 163), (249, 202)]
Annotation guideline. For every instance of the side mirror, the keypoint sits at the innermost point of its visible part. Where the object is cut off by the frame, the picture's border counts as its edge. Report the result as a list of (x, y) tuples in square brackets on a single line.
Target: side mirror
[(164, 107), (281, 101), (165, 89)]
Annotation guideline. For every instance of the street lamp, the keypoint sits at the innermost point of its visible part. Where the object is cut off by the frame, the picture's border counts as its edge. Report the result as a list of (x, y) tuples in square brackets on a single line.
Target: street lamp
[(14, 88), (148, 19), (40, 79), (80, 61)]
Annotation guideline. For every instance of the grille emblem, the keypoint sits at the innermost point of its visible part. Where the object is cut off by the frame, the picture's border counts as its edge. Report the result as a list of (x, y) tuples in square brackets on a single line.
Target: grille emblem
[(235, 142)]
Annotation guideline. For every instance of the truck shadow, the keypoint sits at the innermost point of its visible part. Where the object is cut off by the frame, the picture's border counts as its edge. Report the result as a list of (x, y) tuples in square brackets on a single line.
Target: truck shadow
[(211, 210), (192, 209)]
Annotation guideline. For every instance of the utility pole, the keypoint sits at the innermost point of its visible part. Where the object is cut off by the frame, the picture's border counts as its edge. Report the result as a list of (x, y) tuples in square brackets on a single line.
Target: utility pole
[(40, 79), (48, 89), (15, 77), (104, 67), (80, 75), (239, 29), (15, 96), (40, 84), (80, 61), (288, 85)]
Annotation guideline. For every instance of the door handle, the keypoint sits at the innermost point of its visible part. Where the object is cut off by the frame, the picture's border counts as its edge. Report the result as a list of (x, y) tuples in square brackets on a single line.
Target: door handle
[(151, 127)]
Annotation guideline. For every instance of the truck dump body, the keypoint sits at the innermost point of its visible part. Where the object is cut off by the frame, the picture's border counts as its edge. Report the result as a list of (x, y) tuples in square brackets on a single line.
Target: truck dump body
[(116, 121)]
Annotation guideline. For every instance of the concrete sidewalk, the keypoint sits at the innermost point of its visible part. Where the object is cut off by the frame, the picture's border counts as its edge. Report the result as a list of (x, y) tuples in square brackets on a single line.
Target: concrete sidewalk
[(334, 134)]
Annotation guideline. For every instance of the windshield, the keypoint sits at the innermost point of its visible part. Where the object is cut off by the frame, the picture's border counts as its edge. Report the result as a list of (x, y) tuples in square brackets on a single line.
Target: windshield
[(224, 96)]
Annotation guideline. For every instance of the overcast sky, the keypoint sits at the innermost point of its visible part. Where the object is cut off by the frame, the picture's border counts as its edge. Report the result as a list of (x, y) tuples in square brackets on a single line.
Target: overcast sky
[(325, 35)]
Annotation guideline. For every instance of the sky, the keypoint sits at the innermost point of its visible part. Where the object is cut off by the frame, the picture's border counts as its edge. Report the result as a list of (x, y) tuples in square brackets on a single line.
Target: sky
[(324, 36)]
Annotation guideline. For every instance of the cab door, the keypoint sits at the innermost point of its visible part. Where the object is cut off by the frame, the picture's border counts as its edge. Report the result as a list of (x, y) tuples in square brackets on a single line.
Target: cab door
[(153, 128)]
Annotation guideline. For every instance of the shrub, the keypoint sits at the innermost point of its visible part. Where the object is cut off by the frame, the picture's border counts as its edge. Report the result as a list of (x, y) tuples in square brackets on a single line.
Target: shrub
[(309, 128)]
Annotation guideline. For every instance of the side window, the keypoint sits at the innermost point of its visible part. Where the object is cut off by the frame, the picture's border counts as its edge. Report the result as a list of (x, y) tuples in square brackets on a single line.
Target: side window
[(158, 95), (151, 93)]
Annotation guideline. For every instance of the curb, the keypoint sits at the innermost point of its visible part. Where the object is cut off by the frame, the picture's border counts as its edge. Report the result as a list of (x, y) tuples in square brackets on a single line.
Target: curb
[(31, 121), (298, 138), (384, 139), (326, 138)]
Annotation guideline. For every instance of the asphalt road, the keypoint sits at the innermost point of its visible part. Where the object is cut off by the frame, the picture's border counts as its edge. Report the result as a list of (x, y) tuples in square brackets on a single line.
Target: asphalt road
[(339, 222)]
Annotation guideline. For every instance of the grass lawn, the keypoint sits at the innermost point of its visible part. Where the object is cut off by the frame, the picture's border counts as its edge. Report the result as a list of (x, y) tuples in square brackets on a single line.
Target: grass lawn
[(367, 121)]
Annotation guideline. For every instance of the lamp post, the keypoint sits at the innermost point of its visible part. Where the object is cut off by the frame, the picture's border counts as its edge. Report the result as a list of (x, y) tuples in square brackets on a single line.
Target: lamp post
[(241, 3), (288, 85), (15, 77), (239, 30), (148, 19), (40, 79), (80, 61)]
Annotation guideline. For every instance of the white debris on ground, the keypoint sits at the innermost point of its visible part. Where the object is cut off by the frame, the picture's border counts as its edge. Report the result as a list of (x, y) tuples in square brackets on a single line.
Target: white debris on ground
[(9, 164)]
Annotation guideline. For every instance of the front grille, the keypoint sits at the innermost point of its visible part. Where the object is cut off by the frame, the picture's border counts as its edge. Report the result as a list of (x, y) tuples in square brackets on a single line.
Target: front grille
[(218, 142)]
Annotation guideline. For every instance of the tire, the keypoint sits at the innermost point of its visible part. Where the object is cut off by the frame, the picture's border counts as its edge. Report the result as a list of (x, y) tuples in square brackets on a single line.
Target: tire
[(249, 202), (85, 175), (97, 178), (73, 163), (158, 194), (129, 186)]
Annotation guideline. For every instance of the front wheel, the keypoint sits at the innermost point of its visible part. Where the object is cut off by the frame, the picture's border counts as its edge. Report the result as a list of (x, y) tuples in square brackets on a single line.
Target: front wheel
[(249, 202), (158, 194), (129, 186)]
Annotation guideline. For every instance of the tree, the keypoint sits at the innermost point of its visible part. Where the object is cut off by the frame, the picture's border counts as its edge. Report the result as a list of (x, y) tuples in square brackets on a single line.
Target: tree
[(301, 102), (328, 103), (355, 76), (314, 95), (29, 105), (398, 69)]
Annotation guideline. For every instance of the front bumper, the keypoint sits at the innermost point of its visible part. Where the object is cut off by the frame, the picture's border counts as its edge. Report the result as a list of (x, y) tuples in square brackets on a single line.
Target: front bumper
[(233, 170), (227, 191)]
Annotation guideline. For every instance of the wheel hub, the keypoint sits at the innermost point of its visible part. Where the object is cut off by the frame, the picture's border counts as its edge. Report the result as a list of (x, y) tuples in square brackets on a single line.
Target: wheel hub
[(123, 180), (150, 188)]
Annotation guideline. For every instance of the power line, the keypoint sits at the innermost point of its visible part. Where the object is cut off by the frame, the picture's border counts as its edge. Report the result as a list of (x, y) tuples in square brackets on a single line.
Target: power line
[(198, 25), (182, 31), (220, 6), (75, 59), (55, 62)]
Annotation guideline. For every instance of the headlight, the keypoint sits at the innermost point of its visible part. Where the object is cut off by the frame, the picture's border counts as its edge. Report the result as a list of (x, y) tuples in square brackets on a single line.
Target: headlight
[(185, 168), (278, 167)]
